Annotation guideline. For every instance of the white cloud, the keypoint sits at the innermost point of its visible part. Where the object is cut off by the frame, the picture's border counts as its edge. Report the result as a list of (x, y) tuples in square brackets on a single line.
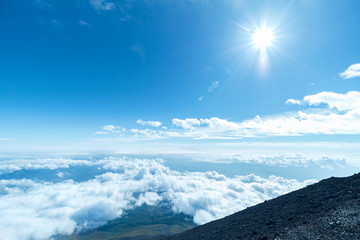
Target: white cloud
[(342, 102), (101, 132), (351, 72), (340, 115), (293, 101), (218, 123), (304, 154), (188, 123), (283, 159), (327, 113), (102, 5), (301, 123), (149, 123), (12, 165), (147, 133), (110, 129), (36, 210)]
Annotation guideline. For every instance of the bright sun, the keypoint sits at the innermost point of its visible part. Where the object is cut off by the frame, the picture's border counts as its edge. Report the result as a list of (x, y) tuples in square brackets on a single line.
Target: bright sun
[(263, 38)]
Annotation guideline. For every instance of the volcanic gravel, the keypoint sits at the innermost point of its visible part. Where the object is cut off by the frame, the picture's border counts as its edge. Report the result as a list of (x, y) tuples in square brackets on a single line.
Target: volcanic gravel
[(327, 210)]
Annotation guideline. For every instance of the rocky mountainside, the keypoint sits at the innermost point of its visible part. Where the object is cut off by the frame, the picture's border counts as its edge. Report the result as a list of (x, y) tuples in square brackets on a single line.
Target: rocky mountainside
[(328, 210)]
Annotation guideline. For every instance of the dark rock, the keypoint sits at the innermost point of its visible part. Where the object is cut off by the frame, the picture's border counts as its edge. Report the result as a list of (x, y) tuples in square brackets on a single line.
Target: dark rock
[(327, 210)]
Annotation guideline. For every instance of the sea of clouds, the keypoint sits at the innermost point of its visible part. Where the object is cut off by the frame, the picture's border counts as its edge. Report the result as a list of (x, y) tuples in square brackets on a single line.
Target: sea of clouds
[(38, 209)]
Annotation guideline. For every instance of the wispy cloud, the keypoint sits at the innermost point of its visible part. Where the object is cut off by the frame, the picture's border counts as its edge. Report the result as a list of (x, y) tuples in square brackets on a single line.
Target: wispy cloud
[(102, 4), (85, 24), (139, 51), (147, 133), (351, 72), (7, 139), (149, 123), (44, 3), (57, 24), (106, 129), (282, 159), (68, 206)]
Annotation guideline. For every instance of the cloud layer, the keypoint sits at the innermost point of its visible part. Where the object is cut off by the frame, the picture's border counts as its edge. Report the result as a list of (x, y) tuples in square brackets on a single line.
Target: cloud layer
[(32, 209), (327, 113)]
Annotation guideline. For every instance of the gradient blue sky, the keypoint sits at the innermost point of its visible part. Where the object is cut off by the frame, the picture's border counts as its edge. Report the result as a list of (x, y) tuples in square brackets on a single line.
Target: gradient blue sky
[(106, 105), (69, 68)]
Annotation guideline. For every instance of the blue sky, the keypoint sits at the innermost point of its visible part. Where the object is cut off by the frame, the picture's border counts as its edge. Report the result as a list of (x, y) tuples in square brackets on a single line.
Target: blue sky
[(69, 68), (209, 106)]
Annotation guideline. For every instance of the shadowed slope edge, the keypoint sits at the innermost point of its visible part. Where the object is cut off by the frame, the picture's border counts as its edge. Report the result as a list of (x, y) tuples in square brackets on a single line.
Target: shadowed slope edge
[(326, 210)]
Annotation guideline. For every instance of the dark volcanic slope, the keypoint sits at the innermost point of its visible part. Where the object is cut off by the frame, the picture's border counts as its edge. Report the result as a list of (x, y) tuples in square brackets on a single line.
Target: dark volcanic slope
[(327, 210)]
